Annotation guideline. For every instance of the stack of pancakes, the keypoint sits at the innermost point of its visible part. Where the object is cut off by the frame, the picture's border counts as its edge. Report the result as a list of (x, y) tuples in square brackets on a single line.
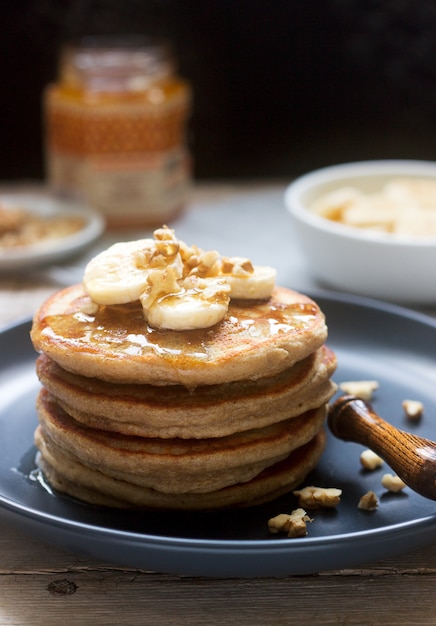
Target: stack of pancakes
[(131, 416)]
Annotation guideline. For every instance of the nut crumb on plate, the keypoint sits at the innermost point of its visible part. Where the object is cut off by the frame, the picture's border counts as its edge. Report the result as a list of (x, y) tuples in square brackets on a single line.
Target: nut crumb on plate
[(368, 502), (294, 523), (317, 497), (392, 483), (363, 389), (413, 409), (370, 460)]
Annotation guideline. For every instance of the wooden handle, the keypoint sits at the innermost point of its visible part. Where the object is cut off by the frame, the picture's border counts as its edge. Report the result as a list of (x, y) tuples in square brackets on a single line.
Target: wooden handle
[(412, 458)]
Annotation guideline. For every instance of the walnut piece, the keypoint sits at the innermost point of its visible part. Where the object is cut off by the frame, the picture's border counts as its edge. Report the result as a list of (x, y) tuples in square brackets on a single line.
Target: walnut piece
[(413, 409), (370, 460), (392, 483), (239, 266), (208, 263), (294, 523), (363, 389), (317, 497), (368, 502)]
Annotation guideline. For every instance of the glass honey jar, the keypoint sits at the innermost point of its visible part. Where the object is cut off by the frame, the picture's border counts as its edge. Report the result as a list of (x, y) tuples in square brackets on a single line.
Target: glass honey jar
[(115, 124)]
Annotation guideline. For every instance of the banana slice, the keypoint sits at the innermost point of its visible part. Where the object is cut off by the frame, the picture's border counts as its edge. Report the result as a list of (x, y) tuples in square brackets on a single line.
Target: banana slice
[(200, 303), (258, 285), (179, 287), (248, 282), (121, 273), (114, 276)]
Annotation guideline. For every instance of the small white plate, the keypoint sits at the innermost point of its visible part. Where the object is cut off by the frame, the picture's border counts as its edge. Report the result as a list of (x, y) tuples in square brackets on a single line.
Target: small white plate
[(49, 250)]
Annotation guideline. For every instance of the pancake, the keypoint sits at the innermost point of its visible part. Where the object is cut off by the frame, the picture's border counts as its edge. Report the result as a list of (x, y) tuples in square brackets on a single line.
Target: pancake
[(207, 411), (133, 414), (256, 339), (70, 477), (176, 465)]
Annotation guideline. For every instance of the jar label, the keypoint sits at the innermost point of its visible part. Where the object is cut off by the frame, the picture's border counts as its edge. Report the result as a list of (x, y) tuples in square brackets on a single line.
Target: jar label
[(146, 189), (125, 158)]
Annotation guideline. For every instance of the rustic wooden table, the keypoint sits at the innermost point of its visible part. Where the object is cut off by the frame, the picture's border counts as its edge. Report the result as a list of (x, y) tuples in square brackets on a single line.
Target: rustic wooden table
[(44, 585)]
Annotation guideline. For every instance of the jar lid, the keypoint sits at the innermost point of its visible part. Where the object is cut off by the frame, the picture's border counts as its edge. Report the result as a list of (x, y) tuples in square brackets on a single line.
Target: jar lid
[(106, 63)]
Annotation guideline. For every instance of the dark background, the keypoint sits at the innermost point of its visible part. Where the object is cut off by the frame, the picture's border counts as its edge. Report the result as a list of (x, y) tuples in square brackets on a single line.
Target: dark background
[(280, 86)]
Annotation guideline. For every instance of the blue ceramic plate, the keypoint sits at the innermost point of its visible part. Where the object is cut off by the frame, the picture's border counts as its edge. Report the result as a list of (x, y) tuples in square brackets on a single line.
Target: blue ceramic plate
[(372, 341)]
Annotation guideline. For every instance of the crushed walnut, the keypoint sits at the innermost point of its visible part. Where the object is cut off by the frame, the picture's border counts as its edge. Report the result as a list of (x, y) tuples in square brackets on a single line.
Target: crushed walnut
[(392, 483), (368, 502), (370, 460), (413, 409), (363, 389), (318, 497), (19, 227), (294, 524)]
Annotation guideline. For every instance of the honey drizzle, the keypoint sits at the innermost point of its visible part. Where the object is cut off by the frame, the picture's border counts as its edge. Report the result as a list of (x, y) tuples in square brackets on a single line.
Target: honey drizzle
[(122, 329)]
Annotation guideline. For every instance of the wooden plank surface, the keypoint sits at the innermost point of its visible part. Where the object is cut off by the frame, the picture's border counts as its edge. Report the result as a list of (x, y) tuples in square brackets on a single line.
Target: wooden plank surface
[(132, 600), (41, 585)]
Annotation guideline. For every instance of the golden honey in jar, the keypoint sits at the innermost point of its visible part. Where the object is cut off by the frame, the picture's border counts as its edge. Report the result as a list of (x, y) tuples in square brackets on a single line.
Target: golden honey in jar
[(116, 130)]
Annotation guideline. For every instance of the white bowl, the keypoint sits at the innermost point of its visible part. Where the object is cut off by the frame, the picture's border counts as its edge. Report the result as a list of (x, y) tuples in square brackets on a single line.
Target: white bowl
[(390, 267)]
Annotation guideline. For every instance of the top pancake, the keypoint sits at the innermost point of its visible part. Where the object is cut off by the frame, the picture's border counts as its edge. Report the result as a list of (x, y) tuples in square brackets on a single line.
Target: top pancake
[(256, 339)]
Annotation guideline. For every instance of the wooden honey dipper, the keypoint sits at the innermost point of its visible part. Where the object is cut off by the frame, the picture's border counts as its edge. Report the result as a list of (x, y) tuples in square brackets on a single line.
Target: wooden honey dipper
[(412, 458)]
